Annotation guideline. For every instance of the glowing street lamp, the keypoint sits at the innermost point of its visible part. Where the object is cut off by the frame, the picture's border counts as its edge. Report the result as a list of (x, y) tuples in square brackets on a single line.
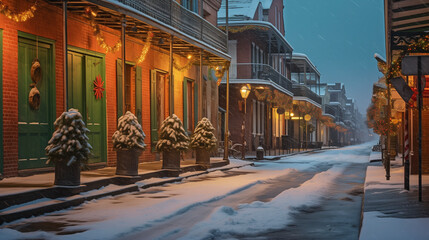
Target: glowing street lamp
[(244, 91)]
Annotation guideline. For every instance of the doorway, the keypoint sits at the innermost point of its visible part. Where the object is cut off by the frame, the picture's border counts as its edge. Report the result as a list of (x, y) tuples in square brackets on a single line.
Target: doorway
[(35, 114), (83, 68), (159, 102)]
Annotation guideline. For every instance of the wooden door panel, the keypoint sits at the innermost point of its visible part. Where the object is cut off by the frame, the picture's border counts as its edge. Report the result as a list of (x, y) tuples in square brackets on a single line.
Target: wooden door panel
[(35, 126), (95, 111)]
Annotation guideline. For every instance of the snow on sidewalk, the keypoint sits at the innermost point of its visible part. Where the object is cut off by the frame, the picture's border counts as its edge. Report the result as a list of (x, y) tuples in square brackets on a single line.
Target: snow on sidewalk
[(390, 212)]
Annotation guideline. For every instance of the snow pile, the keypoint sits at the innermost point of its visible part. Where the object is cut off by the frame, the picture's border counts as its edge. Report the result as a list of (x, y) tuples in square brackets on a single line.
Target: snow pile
[(69, 142), (129, 134), (204, 136), (259, 216), (172, 135)]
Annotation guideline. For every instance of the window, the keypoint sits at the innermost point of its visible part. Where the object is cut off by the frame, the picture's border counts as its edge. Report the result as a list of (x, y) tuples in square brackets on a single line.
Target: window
[(253, 57), (131, 96), (278, 123), (276, 17), (258, 117), (190, 112), (190, 104), (159, 102), (190, 5)]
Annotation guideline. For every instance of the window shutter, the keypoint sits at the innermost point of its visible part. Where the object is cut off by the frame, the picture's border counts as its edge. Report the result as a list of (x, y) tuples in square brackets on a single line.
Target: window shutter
[(153, 111), (185, 104), (119, 87), (139, 94), (196, 103)]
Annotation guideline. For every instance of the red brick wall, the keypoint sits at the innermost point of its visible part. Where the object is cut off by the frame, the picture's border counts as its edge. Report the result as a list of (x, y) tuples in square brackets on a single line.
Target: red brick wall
[(48, 23)]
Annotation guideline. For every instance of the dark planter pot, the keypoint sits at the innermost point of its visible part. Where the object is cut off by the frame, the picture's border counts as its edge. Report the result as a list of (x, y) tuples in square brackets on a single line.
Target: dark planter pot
[(203, 157), (171, 160), (67, 175), (128, 162)]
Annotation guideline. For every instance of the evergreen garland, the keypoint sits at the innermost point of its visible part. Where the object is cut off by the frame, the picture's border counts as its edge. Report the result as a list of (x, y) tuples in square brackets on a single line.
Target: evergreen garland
[(204, 136), (172, 136), (69, 141)]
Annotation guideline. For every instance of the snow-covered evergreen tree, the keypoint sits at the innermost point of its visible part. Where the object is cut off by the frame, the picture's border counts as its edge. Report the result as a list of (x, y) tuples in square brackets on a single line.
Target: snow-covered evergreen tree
[(69, 141), (172, 135), (129, 134), (204, 136)]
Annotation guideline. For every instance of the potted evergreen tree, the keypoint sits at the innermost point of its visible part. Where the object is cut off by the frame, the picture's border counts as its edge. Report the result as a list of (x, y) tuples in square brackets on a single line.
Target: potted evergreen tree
[(172, 141), (68, 148), (203, 141), (128, 141)]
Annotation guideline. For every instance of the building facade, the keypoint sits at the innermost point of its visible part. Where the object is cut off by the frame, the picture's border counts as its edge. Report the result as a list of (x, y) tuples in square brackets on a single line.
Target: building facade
[(259, 60), (170, 48)]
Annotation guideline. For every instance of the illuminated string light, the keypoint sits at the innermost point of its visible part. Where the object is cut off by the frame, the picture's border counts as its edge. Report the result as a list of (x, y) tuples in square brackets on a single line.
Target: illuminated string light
[(187, 66), (18, 17), (91, 14), (146, 47)]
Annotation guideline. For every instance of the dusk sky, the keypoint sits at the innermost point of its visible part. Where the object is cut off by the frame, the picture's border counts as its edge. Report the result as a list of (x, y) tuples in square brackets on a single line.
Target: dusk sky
[(340, 37)]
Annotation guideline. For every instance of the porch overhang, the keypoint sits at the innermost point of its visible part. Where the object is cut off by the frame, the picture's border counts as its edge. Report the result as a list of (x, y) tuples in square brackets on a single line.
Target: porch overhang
[(144, 16), (305, 99), (405, 22), (265, 29), (260, 82)]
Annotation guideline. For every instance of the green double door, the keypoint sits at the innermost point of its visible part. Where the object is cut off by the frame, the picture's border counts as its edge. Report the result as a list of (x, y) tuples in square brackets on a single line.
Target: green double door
[(35, 126), (83, 69)]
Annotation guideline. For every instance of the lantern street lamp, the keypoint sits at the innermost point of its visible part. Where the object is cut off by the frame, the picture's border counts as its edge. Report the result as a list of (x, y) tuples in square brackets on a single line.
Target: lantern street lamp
[(244, 91)]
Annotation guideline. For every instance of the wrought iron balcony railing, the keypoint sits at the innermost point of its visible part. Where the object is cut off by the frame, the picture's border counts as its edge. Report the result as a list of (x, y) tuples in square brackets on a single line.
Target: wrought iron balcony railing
[(264, 72), (172, 13), (304, 91)]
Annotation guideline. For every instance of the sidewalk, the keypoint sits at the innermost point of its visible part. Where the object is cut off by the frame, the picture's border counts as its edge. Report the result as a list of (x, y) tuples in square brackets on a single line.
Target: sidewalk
[(22, 197), (390, 211)]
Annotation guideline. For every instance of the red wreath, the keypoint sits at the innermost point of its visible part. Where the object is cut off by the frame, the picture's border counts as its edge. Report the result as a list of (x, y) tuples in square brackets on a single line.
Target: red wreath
[(98, 87)]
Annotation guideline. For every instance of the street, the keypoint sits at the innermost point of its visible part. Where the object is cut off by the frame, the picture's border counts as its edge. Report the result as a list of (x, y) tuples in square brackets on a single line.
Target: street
[(307, 196)]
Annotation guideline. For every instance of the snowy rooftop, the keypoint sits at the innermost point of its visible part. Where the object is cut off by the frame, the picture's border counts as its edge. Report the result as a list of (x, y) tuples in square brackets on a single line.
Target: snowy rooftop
[(242, 9), (259, 23), (306, 58)]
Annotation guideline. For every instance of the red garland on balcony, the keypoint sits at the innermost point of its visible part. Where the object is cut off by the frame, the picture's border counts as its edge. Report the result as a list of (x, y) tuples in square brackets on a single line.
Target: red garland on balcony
[(98, 87)]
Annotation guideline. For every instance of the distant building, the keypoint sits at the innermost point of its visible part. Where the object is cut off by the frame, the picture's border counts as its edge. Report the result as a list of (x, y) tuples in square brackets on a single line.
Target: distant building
[(260, 55)]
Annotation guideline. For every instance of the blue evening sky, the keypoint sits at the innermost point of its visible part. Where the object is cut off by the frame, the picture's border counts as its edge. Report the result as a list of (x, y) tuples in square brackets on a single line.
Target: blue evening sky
[(340, 37)]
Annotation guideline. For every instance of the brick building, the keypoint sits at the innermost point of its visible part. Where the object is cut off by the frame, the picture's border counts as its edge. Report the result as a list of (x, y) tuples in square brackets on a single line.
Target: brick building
[(181, 31), (259, 53)]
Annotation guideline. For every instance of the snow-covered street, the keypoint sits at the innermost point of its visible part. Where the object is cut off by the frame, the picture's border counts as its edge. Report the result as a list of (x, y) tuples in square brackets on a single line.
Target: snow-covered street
[(313, 195)]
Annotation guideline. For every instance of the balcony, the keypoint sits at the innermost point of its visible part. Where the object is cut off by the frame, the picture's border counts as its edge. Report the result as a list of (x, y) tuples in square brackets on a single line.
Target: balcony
[(259, 73), (303, 91), (172, 13)]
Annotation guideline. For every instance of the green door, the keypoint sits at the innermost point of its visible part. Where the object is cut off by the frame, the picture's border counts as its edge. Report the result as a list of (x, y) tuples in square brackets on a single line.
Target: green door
[(83, 70), (35, 126)]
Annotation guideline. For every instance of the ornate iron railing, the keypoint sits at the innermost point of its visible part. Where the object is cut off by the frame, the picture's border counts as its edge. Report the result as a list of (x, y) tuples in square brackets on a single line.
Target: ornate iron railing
[(172, 13), (259, 72), (304, 91)]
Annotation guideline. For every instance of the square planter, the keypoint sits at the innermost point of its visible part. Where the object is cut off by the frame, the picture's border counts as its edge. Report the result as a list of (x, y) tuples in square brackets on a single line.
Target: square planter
[(203, 157), (128, 161), (67, 175), (171, 160)]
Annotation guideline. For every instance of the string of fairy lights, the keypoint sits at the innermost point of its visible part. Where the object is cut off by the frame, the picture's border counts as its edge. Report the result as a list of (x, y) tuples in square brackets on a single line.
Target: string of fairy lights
[(91, 15), (18, 17)]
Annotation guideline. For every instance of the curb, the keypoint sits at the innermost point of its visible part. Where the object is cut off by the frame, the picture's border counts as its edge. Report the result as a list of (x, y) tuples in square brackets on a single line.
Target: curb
[(36, 211)]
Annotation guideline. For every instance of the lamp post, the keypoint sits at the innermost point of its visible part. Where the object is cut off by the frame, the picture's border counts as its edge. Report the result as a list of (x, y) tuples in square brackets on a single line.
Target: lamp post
[(244, 91)]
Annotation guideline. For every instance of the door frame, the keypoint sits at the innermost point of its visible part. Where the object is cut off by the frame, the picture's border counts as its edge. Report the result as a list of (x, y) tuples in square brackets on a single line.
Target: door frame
[(103, 76), (153, 107), (52, 86)]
